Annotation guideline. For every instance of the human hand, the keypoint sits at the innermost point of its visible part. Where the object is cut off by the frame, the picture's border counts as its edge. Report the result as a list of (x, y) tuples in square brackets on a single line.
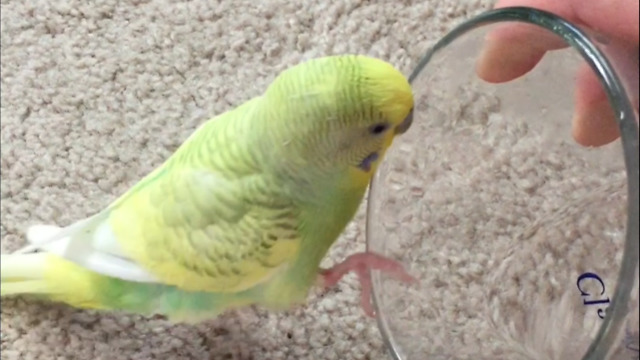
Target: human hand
[(513, 50)]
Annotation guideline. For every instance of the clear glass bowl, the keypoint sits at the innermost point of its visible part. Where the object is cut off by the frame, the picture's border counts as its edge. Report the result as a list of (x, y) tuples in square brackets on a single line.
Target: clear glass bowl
[(525, 243)]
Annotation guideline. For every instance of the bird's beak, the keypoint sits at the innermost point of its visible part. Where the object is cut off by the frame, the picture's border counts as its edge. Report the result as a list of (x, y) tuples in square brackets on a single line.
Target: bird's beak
[(405, 124)]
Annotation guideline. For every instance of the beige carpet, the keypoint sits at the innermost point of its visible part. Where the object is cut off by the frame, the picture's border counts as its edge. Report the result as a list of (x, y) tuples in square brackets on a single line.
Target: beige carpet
[(95, 94)]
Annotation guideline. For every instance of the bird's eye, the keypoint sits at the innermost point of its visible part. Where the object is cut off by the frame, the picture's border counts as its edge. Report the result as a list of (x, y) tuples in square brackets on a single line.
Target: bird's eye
[(378, 129)]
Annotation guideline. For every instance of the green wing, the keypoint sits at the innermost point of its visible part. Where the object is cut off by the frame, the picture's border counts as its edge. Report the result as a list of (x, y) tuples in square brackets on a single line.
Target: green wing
[(196, 230)]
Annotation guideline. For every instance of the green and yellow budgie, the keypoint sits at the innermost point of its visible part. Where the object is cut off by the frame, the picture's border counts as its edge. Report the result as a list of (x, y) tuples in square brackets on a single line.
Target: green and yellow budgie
[(242, 213)]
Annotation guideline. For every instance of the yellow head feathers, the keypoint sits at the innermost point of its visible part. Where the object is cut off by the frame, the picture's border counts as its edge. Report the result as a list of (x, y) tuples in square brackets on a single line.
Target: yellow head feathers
[(341, 111)]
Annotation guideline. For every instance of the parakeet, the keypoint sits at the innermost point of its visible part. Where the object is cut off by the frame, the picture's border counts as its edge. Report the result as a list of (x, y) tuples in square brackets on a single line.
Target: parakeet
[(242, 213)]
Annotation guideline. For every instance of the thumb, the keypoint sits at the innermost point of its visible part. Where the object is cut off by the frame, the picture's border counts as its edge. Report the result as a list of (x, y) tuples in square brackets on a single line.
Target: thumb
[(594, 122)]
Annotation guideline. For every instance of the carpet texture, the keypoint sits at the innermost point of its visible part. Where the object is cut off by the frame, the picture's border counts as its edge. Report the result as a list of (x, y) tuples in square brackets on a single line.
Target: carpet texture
[(96, 94)]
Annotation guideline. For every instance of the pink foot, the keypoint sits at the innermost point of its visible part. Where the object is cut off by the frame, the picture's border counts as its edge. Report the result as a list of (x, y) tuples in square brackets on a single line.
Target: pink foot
[(362, 264)]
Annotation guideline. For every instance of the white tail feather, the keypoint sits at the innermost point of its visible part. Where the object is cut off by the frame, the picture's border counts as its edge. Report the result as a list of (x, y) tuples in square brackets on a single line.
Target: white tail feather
[(36, 235), (89, 243), (41, 235), (25, 250)]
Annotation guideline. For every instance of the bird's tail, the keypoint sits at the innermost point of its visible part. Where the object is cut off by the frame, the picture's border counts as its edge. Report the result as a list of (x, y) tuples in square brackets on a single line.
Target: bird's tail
[(45, 268), (24, 271), (49, 277), (23, 274)]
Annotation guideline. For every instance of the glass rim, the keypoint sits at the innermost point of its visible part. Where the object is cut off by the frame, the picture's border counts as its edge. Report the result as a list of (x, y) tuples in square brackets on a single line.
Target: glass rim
[(579, 40)]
